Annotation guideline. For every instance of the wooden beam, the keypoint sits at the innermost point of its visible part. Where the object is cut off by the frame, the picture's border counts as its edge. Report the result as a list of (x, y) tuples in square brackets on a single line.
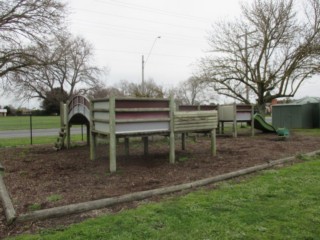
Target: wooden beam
[(112, 135), (172, 141), (213, 143), (142, 109), (7, 203), (252, 120), (235, 130)]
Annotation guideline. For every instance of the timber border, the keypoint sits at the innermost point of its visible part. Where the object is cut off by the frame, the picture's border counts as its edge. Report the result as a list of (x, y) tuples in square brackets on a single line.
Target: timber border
[(12, 217)]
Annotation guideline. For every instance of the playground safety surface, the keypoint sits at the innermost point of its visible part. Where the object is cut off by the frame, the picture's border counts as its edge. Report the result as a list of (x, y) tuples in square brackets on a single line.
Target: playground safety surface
[(34, 174)]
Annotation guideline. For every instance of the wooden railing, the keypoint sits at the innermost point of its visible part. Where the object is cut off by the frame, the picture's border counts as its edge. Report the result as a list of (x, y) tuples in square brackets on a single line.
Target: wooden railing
[(78, 101)]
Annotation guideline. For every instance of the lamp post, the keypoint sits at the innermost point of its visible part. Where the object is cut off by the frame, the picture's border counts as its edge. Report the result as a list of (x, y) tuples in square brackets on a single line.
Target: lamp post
[(144, 62), (245, 35)]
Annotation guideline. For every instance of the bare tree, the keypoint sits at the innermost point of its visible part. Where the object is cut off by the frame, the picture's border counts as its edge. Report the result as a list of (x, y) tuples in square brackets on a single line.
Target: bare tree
[(193, 91), (268, 53), (64, 63), (22, 23), (151, 89), (100, 91)]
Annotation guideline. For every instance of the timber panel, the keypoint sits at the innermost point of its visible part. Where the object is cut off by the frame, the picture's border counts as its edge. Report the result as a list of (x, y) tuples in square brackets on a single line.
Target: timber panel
[(195, 121)]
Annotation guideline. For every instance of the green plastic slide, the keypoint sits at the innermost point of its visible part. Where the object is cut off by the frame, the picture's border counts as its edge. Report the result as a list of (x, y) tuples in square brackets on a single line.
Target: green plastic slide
[(261, 124)]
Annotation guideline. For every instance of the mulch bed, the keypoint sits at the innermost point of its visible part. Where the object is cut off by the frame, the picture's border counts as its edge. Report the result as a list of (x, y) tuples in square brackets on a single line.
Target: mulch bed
[(36, 175)]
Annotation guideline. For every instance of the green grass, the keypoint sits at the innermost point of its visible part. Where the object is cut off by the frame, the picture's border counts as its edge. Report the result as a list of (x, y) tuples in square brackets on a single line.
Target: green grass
[(277, 204), (34, 207), (14, 142), (23, 122), (308, 132), (54, 198)]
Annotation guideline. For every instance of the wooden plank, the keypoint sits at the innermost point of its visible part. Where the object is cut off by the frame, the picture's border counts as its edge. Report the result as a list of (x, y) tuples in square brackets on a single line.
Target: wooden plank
[(100, 115), (197, 121), (7, 203), (190, 129), (197, 113), (102, 127), (141, 103), (142, 99), (137, 127), (100, 120), (96, 100), (100, 132), (100, 110), (192, 118), (143, 120), (142, 109), (101, 105)]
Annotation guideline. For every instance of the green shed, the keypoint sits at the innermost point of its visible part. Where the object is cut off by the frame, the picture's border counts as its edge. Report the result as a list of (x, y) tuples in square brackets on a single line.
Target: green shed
[(303, 113)]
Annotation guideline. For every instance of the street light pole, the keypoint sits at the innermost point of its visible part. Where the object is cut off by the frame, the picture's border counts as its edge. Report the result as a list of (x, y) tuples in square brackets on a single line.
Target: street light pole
[(246, 56), (144, 62), (142, 82), (245, 35)]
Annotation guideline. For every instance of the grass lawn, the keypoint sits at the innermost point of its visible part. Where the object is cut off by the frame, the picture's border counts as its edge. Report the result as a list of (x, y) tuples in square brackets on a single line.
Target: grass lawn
[(14, 142), (276, 204), (23, 122)]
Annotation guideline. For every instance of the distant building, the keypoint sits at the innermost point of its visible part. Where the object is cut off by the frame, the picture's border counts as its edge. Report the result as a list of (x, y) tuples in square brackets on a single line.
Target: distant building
[(302, 113), (3, 112)]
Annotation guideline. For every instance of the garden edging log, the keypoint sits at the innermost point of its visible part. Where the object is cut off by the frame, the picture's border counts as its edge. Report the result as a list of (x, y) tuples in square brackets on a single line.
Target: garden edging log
[(102, 203), (7, 203)]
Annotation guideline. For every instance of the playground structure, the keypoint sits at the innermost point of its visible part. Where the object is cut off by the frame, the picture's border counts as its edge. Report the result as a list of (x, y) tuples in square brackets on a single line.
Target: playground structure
[(114, 118), (236, 113), (74, 112), (233, 113)]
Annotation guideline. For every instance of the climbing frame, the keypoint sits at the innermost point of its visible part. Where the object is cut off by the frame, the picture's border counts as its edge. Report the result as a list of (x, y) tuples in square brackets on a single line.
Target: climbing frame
[(124, 117)]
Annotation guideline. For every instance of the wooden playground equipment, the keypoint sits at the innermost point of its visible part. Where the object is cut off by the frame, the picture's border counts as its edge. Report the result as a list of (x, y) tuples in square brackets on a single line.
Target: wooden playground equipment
[(233, 113), (236, 113), (114, 118)]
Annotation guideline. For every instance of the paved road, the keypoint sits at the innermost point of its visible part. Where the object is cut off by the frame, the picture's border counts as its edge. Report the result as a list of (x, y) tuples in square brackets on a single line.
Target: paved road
[(37, 132)]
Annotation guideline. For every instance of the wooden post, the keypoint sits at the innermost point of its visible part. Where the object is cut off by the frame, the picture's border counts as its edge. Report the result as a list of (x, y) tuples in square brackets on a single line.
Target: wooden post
[(235, 133), (93, 140), (8, 208), (112, 134), (88, 133), (252, 120), (68, 135), (172, 143), (145, 145), (62, 114), (126, 146), (183, 141), (213, 143)]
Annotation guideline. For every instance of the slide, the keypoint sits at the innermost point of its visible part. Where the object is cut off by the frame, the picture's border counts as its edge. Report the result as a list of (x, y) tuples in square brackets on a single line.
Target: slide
[(261, 124)]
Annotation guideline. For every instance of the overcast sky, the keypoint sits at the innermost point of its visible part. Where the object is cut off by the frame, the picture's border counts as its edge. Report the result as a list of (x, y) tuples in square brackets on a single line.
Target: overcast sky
[(121, 31)]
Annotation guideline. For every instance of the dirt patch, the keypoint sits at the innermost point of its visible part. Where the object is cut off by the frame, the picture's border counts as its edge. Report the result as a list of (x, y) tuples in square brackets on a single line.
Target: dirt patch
[(39, 177)]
